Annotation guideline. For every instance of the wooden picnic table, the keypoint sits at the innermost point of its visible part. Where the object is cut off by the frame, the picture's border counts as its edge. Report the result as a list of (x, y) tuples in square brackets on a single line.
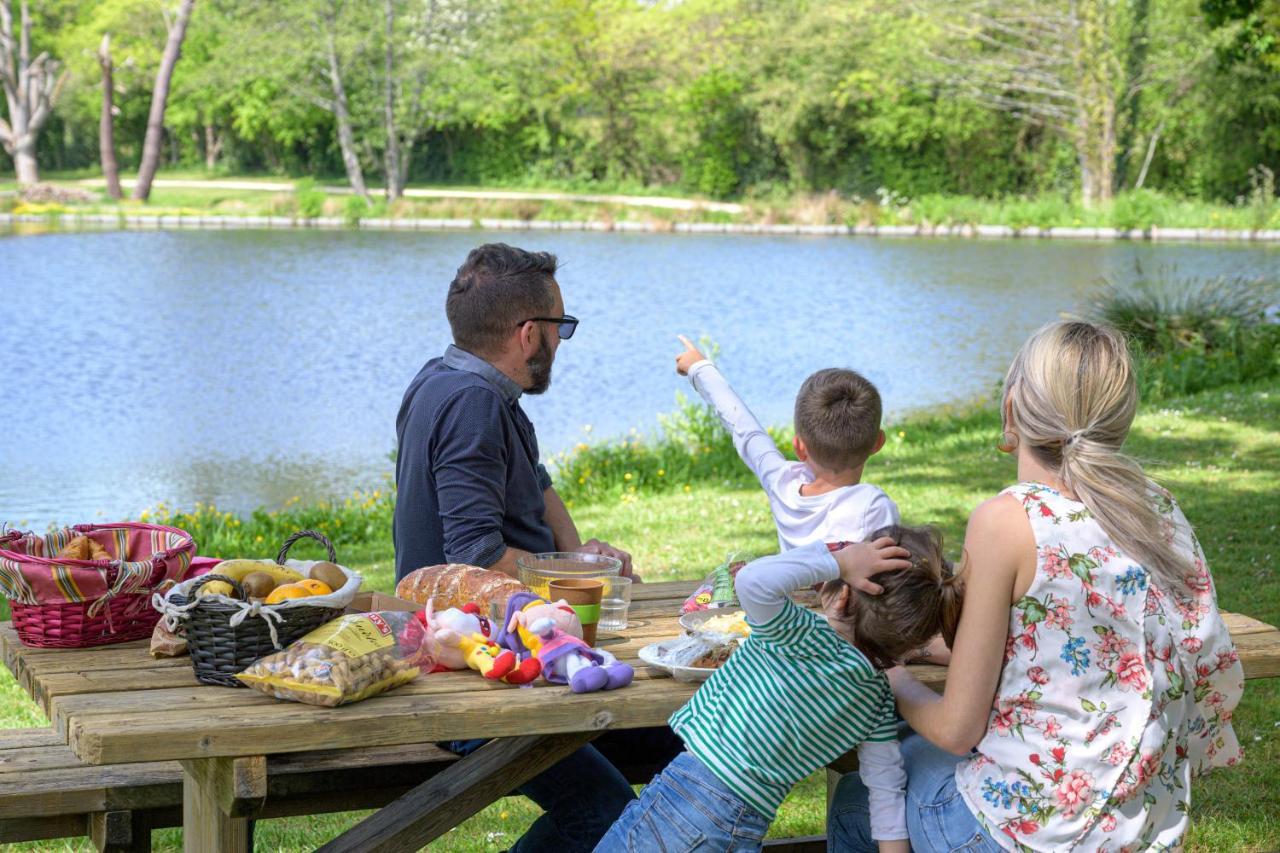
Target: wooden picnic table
[(117, 705)]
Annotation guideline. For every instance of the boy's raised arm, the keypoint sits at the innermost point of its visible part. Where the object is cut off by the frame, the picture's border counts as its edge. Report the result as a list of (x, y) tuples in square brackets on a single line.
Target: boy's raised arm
[(750, 439)]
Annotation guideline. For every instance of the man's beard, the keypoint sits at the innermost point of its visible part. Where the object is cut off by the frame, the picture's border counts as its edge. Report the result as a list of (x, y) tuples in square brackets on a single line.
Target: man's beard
[(539, 365)]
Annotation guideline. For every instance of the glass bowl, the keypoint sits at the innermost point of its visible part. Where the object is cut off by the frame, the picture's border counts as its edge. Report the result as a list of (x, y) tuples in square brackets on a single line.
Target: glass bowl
[(538, 570)]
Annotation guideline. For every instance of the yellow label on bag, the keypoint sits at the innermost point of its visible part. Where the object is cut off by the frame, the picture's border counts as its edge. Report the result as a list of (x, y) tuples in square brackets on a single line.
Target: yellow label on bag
[(354, 635)]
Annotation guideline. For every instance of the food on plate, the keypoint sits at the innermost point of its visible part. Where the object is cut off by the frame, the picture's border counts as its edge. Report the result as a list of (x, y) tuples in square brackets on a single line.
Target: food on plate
[(288, 591), (216, 588), (258, 584), (315, 586), (456, 585), (729, 623), (328, 573), (83, 548), (237, 569), (714, 657), (346, 660), (700, 651)]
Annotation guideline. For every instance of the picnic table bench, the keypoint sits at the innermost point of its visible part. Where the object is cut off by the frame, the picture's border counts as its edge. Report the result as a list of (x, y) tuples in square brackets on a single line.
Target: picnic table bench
[(137, 743)]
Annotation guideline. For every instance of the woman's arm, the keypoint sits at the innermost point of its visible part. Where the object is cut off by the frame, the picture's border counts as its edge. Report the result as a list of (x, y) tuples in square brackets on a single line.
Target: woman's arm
[(998, 546)]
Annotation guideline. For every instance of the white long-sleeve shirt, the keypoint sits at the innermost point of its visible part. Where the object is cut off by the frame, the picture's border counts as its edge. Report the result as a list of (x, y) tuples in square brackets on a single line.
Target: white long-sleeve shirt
[(849, 513)]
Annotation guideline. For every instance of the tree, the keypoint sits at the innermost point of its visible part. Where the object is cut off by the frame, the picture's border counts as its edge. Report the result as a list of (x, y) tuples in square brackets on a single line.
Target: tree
[(106, 125), (159, 98), (31, 87), (1055, 63)]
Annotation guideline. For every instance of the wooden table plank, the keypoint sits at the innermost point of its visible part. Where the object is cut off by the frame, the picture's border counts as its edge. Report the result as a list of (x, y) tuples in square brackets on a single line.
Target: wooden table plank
[(393, 718)]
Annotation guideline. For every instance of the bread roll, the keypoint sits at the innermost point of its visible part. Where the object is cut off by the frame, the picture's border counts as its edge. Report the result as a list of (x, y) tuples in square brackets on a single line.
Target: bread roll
[(457, 584)]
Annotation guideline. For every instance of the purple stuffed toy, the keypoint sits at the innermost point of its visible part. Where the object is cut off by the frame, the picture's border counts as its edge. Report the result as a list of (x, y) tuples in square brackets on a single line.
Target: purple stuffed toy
[(568, 660), (553, 634)]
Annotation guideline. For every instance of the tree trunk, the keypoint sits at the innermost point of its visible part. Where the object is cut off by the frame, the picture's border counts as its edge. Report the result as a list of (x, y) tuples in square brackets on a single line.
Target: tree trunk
[(30, 88), (346, 137), (391, 156), (1100, 74), (212, 147), (159, 99), (107, 123), (24, 161)]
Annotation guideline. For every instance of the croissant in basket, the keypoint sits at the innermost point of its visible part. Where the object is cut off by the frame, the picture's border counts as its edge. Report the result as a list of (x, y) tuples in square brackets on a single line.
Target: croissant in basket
[(83, 548), (457, 584)]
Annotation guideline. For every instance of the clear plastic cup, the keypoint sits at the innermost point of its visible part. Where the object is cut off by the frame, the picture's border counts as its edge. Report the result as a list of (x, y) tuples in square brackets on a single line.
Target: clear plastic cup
[(615, 603)]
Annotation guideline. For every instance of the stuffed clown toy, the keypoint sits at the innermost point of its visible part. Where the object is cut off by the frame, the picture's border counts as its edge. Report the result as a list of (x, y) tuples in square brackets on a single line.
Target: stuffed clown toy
[(464, 639)]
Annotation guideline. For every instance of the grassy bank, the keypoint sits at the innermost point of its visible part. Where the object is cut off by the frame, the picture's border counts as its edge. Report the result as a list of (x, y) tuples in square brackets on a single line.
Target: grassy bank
[(1219, 451), (1139, 209)]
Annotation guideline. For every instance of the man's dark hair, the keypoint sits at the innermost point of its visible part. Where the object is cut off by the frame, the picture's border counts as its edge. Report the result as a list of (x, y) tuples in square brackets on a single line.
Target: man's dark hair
[(496, 288), (838, 416)]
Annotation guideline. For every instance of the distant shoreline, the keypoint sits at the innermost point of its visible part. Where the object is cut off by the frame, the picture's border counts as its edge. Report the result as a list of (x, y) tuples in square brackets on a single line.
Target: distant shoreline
[(135, 222)]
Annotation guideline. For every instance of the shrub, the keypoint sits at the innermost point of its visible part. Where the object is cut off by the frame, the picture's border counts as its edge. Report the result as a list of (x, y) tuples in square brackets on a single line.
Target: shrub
[(1190, 334), (692, 447), (1138, 209), (354, 208), (310, 198)]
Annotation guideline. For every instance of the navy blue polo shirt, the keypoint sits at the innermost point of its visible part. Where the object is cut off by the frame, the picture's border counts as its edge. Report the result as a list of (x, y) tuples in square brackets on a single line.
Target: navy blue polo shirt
[(468, 479)]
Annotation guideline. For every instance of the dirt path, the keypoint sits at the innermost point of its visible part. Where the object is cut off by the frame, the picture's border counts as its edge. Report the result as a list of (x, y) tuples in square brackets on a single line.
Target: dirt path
[(665, 202)]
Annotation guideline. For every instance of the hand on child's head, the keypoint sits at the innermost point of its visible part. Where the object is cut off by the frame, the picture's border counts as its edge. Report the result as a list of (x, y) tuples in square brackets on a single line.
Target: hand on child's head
[(863, 560), (688, 358)]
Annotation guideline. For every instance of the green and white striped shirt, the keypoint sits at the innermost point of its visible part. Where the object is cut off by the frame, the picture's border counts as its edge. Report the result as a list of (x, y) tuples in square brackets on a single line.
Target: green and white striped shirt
[(792, 699)]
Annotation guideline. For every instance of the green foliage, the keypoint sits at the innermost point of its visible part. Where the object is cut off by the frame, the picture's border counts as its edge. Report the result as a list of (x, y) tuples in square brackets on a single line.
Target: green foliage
[(354, 208), (722, 98), (715, 164), (1138, 209), (1188, 334), (310, 198)]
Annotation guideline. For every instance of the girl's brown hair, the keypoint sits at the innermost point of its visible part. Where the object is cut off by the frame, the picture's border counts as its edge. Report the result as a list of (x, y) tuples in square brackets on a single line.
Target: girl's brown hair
[(917, 603)]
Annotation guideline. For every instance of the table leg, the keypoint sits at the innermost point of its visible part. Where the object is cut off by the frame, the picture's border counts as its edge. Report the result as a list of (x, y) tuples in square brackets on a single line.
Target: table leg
[(218, 795), (442, 802)]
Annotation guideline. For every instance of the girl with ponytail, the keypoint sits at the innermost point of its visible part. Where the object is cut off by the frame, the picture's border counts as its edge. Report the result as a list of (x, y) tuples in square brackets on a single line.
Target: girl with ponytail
[(1091, 675)]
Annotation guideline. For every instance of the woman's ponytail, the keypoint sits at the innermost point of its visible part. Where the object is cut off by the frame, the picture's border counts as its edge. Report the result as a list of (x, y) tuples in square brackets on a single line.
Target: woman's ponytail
[(952, 600), (1072, 397)]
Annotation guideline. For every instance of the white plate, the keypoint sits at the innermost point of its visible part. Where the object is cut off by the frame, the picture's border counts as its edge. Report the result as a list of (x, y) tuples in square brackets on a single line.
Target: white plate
[(654, 653), (692, 622)]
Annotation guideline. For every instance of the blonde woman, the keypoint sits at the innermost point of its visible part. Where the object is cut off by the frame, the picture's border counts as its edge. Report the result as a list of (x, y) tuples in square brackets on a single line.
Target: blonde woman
[(1092, 676)]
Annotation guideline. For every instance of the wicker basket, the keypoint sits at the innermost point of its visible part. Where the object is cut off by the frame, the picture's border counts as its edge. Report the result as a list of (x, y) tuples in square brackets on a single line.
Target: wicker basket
[(62, 603), (220, 649)]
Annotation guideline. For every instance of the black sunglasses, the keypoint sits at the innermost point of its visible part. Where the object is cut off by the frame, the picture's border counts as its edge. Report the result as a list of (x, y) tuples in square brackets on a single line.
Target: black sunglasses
[(566, 325)]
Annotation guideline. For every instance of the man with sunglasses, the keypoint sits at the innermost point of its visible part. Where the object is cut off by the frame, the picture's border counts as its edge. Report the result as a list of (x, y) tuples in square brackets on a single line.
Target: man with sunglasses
[(470, 486), (471, 490)]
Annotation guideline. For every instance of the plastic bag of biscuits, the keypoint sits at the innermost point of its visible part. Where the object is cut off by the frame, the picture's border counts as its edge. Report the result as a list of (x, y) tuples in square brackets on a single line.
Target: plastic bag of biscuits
[(351, 658)]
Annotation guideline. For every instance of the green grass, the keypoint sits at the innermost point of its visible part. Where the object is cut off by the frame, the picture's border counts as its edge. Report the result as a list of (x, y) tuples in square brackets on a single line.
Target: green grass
[(1139, 209), (1219, 451)]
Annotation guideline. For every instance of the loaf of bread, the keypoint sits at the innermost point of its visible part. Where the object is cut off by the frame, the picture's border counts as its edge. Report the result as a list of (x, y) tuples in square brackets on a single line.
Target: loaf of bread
[(457, 584)]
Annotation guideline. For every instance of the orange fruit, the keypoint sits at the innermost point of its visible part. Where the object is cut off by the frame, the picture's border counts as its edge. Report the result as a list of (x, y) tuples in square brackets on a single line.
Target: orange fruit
[(317, 587), (286, 591)]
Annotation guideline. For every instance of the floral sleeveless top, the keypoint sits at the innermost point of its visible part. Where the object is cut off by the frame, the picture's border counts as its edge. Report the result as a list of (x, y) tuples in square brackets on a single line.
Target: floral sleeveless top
[(1114, 693)]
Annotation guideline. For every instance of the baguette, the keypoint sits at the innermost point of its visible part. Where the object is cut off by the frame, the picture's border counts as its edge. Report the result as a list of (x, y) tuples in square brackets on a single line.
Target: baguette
[(457, 584)]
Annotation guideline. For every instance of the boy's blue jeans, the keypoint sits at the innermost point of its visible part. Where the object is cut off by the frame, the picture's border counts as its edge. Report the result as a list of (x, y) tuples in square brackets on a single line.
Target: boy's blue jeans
[(938, 821), (582, 795), (686, 808)]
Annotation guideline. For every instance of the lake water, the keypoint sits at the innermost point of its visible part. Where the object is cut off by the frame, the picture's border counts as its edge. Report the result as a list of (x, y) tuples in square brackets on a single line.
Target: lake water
[(244, 368)]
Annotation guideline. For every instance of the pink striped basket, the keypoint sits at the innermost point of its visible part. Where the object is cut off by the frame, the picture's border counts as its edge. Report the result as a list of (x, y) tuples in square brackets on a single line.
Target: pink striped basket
[(70, 604)]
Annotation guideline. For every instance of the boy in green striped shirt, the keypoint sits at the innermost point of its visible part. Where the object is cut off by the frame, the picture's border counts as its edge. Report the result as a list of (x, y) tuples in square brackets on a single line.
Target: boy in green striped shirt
[(797, 695)]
